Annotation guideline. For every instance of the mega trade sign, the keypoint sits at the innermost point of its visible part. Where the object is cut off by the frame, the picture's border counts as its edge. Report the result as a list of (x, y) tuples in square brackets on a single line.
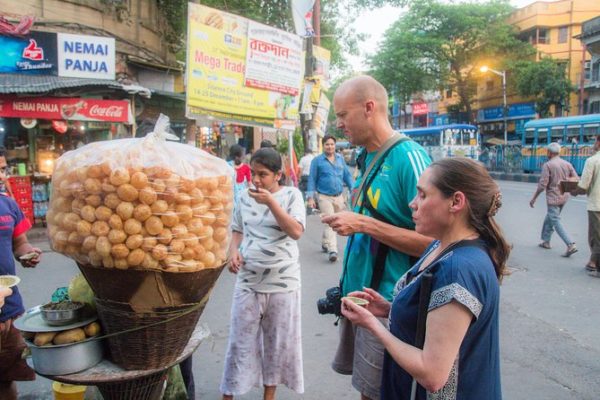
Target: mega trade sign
[(220, 80), (33, 54), (81, 56), (74, 109)]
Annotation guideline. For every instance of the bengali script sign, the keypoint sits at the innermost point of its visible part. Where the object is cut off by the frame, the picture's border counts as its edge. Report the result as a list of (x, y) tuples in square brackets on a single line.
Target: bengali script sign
[(216, 73), (72, 109), (273, 59)]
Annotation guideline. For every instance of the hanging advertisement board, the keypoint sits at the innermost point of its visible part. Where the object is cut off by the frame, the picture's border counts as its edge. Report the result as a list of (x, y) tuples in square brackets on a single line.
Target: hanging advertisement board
[(34, 54), (59, 108), (273, 59), (216, 74)]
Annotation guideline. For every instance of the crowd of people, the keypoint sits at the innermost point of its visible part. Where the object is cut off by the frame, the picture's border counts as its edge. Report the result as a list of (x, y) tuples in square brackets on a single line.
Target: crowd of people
[(424, 255)]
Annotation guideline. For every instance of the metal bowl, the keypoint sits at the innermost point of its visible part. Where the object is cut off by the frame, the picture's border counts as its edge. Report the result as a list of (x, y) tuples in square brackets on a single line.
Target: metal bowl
[(58, 317), (67, 358)]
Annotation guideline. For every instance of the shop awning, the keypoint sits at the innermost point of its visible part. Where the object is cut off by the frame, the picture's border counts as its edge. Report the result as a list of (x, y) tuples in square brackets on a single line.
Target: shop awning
[(20, 84)]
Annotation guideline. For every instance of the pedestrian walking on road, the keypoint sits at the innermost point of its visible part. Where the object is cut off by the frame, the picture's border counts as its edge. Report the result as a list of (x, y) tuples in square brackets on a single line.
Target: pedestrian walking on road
[(13, 244), (380, 227), (265, 338), (458, 355), (328, 174), (554, 171), (589, 184), (304, 170)]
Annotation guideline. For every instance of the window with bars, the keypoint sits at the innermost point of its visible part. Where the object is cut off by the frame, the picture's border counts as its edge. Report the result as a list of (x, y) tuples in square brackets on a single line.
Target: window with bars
[(563, 34)]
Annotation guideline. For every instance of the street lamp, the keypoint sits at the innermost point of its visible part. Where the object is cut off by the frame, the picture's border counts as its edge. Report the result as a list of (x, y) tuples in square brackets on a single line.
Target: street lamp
[(485, 69)]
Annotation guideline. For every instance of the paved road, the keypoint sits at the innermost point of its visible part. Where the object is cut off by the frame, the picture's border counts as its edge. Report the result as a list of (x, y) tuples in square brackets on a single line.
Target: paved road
[(549, 318)]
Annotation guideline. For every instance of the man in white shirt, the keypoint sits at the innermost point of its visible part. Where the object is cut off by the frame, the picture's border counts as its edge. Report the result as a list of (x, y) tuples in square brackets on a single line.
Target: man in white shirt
[(304, 170), (589, 184)]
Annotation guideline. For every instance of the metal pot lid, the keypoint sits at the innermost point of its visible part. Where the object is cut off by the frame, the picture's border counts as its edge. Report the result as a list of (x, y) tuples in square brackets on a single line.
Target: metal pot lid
[(32, 321)]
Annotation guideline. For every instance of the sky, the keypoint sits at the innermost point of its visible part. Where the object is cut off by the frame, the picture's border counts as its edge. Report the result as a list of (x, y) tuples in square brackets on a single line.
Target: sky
[(375, 23)]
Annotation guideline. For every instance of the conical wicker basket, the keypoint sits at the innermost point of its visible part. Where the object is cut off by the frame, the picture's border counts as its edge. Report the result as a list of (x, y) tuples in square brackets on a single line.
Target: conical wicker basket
[(148, 340)]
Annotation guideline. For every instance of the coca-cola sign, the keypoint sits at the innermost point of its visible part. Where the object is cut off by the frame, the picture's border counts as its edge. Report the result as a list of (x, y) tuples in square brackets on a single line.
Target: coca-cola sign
[(104, 112), (73, 109)]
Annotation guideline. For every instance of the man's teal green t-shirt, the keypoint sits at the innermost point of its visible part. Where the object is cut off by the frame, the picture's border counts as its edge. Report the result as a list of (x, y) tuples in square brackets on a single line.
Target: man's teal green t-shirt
[(390, 194)]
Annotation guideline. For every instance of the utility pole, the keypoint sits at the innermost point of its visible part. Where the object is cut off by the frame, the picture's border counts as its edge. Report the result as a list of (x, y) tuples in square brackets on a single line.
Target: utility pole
[(317, 22), (305, 122)]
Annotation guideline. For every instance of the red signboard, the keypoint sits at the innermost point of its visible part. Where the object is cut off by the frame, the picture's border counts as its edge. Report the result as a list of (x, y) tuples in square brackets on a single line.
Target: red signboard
[(73, 109), (420, 108)]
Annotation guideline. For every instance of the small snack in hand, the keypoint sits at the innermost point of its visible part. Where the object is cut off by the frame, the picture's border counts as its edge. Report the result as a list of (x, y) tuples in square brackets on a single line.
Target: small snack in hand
[(357, 300), (28, 256)]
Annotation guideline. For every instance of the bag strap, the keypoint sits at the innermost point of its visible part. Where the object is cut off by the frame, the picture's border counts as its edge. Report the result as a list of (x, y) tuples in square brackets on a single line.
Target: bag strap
[(381, 153), (365, 184)]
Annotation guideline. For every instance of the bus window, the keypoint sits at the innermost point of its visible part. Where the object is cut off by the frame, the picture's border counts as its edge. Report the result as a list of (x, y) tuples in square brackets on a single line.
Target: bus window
[(573, 134), (556, 133), (542, 136), (529, 135), (590, 132)]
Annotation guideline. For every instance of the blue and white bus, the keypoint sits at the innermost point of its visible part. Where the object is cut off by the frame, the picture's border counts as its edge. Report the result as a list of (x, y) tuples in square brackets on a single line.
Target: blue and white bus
[(454, 140), (575, 134)]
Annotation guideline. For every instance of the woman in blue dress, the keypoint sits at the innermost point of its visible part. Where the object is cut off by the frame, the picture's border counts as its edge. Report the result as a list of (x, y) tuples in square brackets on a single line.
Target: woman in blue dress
[(455, 204)]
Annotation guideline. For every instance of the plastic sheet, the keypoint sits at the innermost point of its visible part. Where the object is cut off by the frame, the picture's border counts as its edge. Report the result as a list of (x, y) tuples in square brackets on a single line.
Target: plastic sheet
[(143, 204)]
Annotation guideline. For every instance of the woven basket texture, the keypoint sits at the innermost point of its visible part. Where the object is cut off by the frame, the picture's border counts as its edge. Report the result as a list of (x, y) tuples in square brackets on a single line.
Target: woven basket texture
[(146, 388), (152, 347)]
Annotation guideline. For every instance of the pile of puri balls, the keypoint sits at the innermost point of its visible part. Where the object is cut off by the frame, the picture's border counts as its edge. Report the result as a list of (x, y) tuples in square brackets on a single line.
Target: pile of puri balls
[(114, 210)]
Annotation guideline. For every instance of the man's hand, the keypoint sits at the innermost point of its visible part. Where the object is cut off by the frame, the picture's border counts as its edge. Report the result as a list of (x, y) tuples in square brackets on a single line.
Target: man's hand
[(532, 203), (311, 203), (235, 262), (30, 259), (344, 223)]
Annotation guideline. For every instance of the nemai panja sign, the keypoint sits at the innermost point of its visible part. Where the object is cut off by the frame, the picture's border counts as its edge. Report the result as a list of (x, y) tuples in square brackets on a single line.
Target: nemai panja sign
[(225, 82)]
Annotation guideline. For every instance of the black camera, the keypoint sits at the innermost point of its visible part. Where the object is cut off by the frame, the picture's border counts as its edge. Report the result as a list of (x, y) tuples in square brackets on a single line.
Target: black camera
[(331, 303)]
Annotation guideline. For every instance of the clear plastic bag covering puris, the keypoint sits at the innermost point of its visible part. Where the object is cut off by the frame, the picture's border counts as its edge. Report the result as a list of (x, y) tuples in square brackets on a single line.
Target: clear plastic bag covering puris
[(142, 203)]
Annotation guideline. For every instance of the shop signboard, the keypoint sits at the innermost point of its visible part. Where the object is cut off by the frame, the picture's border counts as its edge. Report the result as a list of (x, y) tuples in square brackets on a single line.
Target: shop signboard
[(216, 74), (83, 56), (71, 109), (515, 111), (34, 54), (420, 108), (273, 59)]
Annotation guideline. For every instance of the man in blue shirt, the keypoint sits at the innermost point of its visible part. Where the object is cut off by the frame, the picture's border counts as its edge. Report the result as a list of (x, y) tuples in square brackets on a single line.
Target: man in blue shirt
[(328, 173)]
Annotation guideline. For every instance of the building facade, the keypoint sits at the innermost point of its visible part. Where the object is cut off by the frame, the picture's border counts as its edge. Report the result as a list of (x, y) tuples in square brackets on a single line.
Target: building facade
[(590, 37), (552, 28)]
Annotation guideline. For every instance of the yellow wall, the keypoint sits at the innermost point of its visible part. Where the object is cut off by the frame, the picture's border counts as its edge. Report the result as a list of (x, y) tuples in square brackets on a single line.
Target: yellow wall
[(552, 16)]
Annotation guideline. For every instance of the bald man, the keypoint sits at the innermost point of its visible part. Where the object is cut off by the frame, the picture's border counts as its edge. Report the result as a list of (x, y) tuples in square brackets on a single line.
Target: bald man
[(380, 229)]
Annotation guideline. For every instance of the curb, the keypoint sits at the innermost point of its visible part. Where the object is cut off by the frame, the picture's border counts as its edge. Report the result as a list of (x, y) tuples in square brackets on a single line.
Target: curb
[(516, 177)]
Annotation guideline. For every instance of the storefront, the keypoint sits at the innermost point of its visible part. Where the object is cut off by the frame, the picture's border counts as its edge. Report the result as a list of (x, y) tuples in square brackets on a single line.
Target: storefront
[(491, 120), (38, 130)]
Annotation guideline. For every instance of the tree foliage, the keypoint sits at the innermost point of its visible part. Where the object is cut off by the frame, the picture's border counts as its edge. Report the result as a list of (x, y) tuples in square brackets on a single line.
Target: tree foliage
[(439, 44), (546, 80)]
